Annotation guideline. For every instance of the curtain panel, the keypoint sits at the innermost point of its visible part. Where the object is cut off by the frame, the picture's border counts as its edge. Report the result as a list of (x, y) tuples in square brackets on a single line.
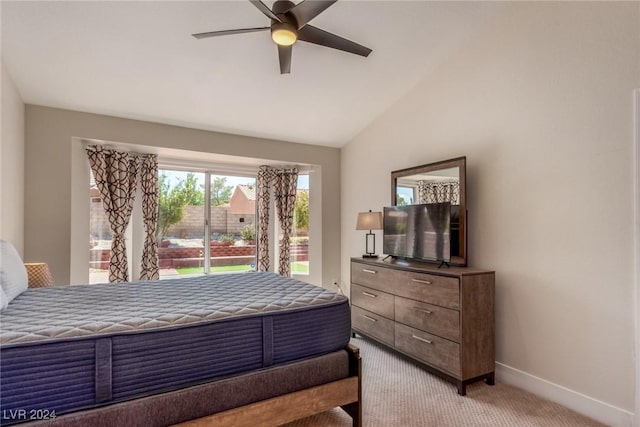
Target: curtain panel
[(265, 175), (284, 184), (439, 192), (149, 269), (285, 194), (115, 174)]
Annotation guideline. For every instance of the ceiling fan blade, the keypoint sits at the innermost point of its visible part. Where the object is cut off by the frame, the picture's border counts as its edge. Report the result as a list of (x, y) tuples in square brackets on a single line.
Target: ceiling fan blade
[(307, 10), (227, 32), (264, 9), (284, 54), (315, 35)]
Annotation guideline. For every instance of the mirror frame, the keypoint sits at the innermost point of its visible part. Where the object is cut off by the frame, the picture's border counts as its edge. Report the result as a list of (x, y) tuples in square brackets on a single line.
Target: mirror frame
[(459, 162)]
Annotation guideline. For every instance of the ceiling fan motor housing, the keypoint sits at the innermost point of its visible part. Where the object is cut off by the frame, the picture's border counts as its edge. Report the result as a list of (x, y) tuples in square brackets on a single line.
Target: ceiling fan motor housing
[(281, 6)]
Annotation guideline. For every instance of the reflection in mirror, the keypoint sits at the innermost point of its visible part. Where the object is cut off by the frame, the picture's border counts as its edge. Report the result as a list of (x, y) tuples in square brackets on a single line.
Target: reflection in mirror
[(431, 187), (435, 183)]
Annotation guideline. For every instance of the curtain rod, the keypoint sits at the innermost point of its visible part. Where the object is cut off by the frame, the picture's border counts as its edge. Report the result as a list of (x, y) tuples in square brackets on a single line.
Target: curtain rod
[(214, 167), (282, 170), (92, 147)]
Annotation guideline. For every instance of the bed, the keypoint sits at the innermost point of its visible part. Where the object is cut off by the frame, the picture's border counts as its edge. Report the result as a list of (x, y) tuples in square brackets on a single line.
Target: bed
[(225, 349)]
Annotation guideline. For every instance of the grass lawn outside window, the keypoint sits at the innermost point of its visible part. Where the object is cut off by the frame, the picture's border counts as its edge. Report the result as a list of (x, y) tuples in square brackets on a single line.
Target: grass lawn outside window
[(299, 267)]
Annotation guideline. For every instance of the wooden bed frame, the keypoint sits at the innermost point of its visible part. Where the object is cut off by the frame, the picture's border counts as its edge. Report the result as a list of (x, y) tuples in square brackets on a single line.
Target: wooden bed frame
[(346, 393)]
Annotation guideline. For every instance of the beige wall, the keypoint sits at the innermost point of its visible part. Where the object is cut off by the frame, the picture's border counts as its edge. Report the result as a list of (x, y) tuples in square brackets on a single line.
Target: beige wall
[(541, 105), (12, 164), (48, 201)]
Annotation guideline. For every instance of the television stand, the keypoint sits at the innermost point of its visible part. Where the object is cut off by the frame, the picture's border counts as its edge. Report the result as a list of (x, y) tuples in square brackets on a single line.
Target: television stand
[(443, 262)]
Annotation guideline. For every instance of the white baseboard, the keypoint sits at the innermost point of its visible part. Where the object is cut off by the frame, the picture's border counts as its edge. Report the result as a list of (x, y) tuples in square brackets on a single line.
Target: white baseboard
[(588, 406)]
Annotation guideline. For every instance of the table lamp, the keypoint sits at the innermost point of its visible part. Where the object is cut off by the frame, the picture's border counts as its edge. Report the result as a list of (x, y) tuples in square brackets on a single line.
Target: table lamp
[(369, 221)]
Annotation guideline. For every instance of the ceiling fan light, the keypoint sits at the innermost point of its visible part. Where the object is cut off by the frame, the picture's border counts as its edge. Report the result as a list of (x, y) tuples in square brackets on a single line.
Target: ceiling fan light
[(283, 34)]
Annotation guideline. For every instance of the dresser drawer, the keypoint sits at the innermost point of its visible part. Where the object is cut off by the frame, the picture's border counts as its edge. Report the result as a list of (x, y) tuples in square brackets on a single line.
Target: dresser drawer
[(444, 322), (430, 288), (380, 278), (435, 351), (372, 324), (372, 300)]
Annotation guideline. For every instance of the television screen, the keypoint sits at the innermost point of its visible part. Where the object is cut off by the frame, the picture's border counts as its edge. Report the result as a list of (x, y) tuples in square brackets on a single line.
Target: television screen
[(418, 231)]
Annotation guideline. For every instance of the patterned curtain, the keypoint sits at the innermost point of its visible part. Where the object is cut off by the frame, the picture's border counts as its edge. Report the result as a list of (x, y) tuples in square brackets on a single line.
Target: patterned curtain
[(284, 182), (265, 175), (115, 175), (439, 192), (149, 186), (285, 193)]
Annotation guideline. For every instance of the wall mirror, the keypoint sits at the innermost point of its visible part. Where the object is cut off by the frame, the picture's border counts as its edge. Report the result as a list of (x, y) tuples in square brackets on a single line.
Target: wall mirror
[(443, 181)]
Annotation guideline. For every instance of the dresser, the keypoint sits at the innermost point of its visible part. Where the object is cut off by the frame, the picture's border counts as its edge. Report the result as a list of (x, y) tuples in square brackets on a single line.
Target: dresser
[(442, 318)]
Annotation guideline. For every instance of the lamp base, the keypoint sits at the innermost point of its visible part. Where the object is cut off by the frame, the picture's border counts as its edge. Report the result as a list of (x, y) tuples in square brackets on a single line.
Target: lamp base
[(369, 256)]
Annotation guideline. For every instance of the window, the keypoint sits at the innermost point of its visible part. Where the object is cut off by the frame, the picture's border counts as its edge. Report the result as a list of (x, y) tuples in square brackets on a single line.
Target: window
[(232, 222), (184, 213), (91, 237), (300, 236), (406, 195), (227, 214), (207, 224), (181, 219), (99, 236)]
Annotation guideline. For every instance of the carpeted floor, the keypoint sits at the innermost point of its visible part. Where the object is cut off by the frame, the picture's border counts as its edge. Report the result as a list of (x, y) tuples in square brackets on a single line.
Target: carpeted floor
[(398, 393)]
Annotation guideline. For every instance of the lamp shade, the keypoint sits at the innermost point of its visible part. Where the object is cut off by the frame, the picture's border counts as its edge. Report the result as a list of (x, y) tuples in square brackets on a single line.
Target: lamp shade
[(39, 274), (369, 221)]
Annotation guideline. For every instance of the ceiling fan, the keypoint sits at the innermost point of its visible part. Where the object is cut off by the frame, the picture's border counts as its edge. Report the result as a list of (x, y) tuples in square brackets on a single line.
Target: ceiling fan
[(289, 23)]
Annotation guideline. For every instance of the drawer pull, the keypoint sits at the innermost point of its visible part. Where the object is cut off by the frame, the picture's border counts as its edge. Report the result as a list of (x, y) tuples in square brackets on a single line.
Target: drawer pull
[(421, 339), (366, 270), (370, 295), (369, 318), (422, 310), (426, 282)]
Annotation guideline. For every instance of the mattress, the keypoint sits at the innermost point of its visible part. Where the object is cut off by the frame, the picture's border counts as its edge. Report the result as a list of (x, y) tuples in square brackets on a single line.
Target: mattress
[(77, 347)]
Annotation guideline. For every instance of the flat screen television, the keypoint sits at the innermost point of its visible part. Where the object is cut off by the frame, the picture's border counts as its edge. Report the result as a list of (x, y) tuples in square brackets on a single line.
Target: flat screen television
[(418, 232)]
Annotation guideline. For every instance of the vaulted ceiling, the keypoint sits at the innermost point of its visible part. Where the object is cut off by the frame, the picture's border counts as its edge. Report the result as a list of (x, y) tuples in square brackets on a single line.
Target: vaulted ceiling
[(138, 60)]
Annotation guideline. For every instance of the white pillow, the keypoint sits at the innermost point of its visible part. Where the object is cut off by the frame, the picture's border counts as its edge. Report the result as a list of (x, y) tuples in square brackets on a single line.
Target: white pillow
[(13, 274), (4, 302)]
